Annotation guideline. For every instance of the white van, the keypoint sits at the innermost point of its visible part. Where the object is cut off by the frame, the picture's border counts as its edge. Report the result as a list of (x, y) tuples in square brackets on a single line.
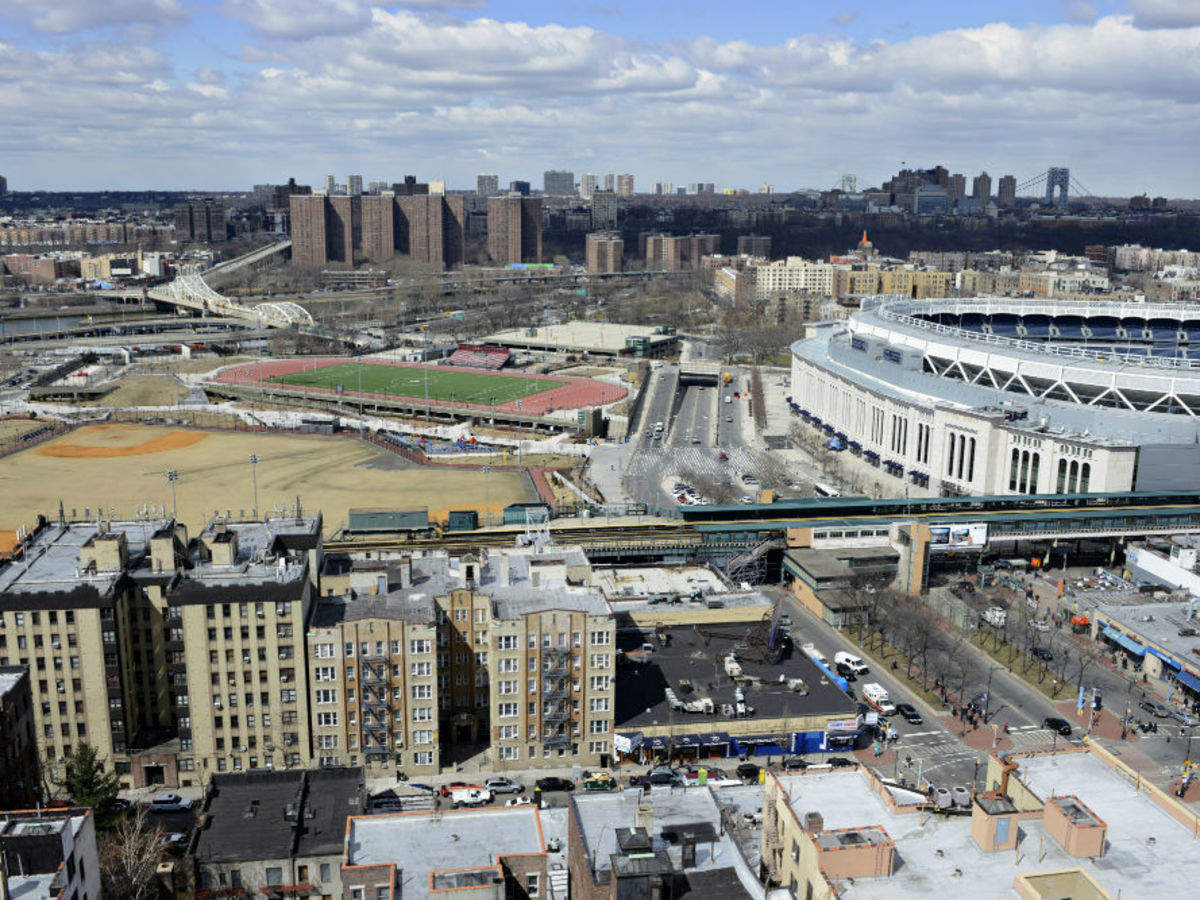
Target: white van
[(471, 797), (877, 697), (854, 663)]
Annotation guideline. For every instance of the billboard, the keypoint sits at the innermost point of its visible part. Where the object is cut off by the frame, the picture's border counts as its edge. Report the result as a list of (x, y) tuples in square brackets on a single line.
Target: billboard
[(959, 536)]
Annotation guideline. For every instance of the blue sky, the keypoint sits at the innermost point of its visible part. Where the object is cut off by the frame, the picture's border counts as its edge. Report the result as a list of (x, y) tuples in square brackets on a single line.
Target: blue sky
[(226, 93)]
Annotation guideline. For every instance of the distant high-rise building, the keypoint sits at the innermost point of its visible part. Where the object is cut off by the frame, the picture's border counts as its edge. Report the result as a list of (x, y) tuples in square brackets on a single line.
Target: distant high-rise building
[(409, 187), (693, 188), (957, 186), (487, 185), (354, 185), (1007, 191), (200, 221), (610, 182), (437, 186), (604, 253), (588, 182), (981, 187), (558, 183), (672, 252), (604, 210), (520, 187), (377, 187), (427, 227), (708, 187), (767, 188), (624, 185), (330, 184), (663, 188), (754, 245), (515, 229), (281, 194), (930, 199), (3, 185)]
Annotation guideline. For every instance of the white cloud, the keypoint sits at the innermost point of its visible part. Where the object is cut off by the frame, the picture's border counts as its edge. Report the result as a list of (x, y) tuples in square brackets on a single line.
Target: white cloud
[(1165, 13), (67, 16), (390, 90)]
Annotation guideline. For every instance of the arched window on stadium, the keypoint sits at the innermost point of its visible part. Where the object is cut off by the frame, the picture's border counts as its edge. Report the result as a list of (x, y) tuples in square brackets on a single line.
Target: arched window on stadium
[(1062, 476), (1073, 480), (1085, 478), (1033, 473), (950, 454), (1023, 481), (971, 461), (1014, 469)]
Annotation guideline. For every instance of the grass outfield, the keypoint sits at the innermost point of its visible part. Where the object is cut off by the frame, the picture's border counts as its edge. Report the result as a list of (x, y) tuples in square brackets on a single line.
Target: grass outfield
[(406, 381)]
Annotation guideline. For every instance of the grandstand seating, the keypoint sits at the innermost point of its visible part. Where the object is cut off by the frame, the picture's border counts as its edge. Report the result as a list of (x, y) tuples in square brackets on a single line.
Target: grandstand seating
[(479, 356)]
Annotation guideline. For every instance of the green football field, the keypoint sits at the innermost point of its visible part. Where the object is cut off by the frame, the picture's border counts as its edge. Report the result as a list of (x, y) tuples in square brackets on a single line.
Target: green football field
[(406, 381)]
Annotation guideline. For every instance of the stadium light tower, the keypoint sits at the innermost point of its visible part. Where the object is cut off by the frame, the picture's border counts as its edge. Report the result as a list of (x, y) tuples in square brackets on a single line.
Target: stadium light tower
[(172, 477), (255, 459)]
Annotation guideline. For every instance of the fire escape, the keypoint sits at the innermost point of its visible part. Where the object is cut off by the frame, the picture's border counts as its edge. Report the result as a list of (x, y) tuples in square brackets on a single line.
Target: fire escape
[(556, 696), (375, 711)]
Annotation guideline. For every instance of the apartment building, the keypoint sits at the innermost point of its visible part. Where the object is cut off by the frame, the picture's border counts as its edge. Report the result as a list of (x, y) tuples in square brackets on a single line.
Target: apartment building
[(670, 252), (625, 185), (20, 770), (132, 633), (605, 251), (794, 275), (427, 227), (49, 854), (604, 209), (514, 226), (512, 648), (237, 613)]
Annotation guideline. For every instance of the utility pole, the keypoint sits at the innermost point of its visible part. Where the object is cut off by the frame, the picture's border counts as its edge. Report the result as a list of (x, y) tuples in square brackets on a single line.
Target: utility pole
[(255, 459), (172, 477)]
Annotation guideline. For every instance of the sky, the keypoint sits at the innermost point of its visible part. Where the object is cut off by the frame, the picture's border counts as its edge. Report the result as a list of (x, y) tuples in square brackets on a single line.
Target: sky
[(222, 94)]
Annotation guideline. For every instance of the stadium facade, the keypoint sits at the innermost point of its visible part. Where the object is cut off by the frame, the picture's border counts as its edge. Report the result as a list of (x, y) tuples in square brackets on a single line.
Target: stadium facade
[(1002, 396)]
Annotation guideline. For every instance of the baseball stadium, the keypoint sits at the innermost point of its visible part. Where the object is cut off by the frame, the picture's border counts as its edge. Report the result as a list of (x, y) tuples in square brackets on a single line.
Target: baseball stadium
[(450, 387), (1008, 396)]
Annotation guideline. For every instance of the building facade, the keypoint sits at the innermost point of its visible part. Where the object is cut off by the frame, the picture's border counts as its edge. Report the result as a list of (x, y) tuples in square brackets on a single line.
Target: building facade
[(201, 221), (49, 853), (558, 183), (625, 185), (20, 769), (487, 185), (605, 252), (428, 228), (514, 229)]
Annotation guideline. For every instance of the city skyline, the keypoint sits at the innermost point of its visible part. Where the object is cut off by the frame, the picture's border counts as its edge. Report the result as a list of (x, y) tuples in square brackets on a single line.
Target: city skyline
[(174, 94)]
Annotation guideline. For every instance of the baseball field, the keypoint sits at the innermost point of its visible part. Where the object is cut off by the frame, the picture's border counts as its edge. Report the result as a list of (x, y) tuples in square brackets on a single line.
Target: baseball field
[(125, 466), (400, 381)]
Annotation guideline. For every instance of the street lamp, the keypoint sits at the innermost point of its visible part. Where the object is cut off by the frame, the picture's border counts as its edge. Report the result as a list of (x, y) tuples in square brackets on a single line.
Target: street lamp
[(255, 459), (487, 494), (172, 477)]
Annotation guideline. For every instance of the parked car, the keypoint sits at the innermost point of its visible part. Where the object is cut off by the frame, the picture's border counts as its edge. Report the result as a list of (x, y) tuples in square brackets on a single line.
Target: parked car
[(909, 713), (1161, 710), (712, 773), (846, 672), (471, 796), (447, 789), (748, 772), (552, 783), (1060, 725), (795, 763), (663, 775), (1042, 653), (504, 786), (518, 801), (177, 841), (170, 803), (840, 762), (1184, 718)]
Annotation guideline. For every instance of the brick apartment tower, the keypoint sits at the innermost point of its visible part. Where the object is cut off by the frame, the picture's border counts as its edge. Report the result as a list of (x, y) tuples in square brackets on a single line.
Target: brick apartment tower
[(514, 229), (429, 228)]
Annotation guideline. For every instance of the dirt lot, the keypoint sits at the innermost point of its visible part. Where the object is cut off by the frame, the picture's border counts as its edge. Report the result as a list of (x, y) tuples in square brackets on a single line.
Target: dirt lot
[(123, 466), (145, 390)]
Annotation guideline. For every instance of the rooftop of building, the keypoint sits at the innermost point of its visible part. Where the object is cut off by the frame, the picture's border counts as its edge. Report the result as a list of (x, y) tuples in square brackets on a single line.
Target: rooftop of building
[(420, 844), (830, 564), (829, 347), (274, 815), (10, 677), (636, 582), (1159, 623), (33, 887), (400, 605), (50, 567), (608, 828), (938, 855), (606, 337), (641, 699)]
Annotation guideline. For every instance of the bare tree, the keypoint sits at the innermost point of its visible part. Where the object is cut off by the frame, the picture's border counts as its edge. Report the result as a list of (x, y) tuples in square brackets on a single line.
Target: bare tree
[(129, 858)]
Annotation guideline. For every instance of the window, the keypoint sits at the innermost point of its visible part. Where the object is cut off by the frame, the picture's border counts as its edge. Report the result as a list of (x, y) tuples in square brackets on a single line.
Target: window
[(508, 732), (326, 695), (327, 719), (507, 687), (600, 638), (327, 741), (599, 682), (287, 696), (423, 758), (356, 892), (598, 704), (422, 736), (383, 892), (599, 661), (510, 664), (323, 673), (324, 871), (421, 669), (274, 875), (422, 691), (597, 747), (506, 642), (510, 752), (422, 713), (507, 710), (531, 884), (323, 651), (598, 726)]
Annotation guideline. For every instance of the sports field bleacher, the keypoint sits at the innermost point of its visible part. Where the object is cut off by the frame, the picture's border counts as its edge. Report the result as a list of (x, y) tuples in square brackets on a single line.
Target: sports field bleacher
[(479, 356)]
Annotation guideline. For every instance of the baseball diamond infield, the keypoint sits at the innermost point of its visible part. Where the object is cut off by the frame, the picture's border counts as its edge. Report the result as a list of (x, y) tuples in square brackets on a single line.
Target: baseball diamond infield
[(124, 466), (456, 386)]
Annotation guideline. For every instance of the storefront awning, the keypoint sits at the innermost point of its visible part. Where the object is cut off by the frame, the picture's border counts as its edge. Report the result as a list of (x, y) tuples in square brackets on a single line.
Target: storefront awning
[(1188, 680), (1127, 642), (1164, 657), (714, 738), (627, 742), (757, 739), (657, 743), (687, 740)]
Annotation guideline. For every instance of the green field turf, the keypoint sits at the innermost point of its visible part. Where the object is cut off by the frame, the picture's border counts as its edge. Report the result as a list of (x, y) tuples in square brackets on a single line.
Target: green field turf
[(404, 381)]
